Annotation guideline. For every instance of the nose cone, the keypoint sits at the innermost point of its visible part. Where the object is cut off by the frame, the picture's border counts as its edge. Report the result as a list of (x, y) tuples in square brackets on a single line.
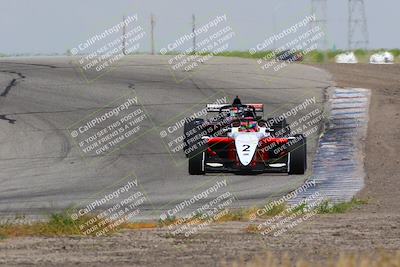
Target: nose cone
[(246, 145)]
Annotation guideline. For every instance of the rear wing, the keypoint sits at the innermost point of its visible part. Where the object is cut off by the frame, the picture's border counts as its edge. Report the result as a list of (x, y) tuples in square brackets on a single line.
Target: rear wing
[(217, 107)]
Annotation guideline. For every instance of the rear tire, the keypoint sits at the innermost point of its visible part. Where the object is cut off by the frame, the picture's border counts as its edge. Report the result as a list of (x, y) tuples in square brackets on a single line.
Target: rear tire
[(298, 156), (196, 163), (189, 146)]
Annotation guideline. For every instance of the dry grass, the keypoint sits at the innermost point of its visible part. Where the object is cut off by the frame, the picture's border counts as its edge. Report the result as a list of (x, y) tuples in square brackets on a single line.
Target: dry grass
[(57, 225), (61, 224), (139, 225), (252, 228), (332, 208), (249, 213), (229, 216), (381, 259)]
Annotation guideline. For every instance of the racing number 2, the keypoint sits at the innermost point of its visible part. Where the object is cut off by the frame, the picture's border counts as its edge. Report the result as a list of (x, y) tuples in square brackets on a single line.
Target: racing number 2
[(246, 148)]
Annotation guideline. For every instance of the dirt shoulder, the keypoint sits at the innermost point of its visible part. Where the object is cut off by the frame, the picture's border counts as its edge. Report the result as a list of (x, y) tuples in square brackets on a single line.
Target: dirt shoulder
[(368, 228), (383, 141)]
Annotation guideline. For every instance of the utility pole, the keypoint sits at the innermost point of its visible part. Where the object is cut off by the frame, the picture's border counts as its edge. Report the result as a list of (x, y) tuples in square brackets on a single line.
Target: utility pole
[(273, 30), (152, 22), (358, 31), (319, 9), (123, 36), (193, 31)]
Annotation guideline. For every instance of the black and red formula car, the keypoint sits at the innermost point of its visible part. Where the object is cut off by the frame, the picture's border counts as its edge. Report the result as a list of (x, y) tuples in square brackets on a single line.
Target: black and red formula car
[(238, 140)]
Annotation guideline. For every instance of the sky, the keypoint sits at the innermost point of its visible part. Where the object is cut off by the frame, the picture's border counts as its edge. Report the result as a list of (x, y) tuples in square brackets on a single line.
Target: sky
[(54, 26)]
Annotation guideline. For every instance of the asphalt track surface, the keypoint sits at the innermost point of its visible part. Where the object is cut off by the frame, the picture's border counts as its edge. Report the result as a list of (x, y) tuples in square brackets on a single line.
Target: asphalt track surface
[(42, 170)]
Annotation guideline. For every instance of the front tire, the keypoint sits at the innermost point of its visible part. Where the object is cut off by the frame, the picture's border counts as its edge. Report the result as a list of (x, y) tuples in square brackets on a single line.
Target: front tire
[(298, 156), (193, 127), (196, 164)]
